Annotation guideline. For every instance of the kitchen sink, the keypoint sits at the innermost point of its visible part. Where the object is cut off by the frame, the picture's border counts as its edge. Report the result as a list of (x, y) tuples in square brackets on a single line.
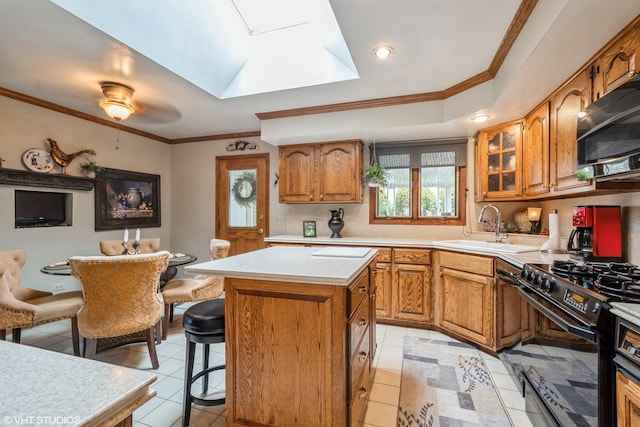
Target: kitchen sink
[(484, 246)]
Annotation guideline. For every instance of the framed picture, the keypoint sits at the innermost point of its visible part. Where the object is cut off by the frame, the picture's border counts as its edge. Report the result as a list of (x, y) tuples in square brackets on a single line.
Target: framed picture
[(126, 199), (309, 228)]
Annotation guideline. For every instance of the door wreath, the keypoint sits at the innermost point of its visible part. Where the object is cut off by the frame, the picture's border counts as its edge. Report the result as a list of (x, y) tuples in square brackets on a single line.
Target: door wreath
[(244, 189)]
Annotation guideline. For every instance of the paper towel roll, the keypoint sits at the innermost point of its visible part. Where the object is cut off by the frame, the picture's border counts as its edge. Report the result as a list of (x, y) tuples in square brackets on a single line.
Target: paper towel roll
[(553, 244)]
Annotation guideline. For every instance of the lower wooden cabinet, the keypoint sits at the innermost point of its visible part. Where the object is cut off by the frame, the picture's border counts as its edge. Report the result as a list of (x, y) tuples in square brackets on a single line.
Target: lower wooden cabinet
[(627, 401), (465, 289), (403, 279), (473, 304), (297, 353)]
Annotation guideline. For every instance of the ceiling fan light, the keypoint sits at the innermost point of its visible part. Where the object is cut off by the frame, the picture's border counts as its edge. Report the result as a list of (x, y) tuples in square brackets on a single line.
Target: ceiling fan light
[(117, 110)]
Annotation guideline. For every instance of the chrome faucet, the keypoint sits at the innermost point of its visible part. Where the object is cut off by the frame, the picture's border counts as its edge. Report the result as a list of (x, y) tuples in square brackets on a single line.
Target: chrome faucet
[(499, 235)]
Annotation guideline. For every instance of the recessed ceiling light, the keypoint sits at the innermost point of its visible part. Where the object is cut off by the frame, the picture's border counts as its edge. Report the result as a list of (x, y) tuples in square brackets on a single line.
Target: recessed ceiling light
[(382, 52), (479, 118)]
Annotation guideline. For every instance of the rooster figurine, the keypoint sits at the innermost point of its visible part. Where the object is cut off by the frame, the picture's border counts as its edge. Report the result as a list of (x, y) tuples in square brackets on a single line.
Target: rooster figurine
[(63, 159)]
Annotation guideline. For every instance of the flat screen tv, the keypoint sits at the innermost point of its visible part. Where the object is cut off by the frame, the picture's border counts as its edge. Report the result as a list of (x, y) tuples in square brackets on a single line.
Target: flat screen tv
[(42, 209)]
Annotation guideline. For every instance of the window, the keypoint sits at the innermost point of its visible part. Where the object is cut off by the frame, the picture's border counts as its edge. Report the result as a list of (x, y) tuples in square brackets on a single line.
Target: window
[(427, 183)]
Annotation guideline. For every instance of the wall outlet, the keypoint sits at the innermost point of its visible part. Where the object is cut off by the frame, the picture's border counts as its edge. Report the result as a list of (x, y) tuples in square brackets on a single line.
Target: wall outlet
[(319, 219), (58, 287)]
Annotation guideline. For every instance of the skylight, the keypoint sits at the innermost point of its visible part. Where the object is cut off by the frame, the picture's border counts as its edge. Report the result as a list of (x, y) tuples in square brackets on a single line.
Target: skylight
[(230, 48)]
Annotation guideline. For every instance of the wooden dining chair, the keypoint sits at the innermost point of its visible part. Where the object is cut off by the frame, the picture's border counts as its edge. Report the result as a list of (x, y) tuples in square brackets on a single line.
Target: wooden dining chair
[(22, 307), (120, 298)]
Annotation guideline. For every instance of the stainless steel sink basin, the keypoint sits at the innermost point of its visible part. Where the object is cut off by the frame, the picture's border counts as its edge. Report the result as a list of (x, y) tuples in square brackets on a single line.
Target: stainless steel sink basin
[(484, 246)]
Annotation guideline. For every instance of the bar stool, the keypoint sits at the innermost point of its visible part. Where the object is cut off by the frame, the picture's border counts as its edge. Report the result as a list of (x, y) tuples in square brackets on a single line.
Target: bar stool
[(203, 324)]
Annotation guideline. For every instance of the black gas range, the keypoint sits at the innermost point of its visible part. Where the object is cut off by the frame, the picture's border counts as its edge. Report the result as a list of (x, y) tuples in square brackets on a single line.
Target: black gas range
[(564, 364)]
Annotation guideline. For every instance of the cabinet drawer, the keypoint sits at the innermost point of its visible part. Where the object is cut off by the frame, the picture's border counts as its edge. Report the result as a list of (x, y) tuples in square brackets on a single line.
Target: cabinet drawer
[(357, 292), (360, 373), (412, 256), (360, 364), (359, 325), (465, 262), (384, 255)]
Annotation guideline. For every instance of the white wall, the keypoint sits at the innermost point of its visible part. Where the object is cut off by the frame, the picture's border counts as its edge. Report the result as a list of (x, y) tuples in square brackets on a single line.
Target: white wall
[(24, 126), (193, 193)]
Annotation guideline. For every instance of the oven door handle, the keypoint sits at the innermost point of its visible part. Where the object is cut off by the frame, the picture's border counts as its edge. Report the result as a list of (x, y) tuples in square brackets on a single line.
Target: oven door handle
[(580, 331)]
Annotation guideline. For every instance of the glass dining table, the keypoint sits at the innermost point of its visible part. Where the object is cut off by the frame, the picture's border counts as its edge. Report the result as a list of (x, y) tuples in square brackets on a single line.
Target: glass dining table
[(177, 259)]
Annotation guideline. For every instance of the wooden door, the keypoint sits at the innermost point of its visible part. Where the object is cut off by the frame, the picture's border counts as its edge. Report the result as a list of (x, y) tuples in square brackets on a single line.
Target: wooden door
[(628, 401), (565, 106), (242, 201), (382, 277), (411, 299), (340, 165), (536, 151), (297, 170), (467, 305)]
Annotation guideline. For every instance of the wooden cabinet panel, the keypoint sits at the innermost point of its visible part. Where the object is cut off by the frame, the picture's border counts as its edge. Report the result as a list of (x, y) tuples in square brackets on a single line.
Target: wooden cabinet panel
[(508, 315), (340, 166), (617, 64), (411, 298), (296, 178), (466, 262), (292, 359), (627, 401), (565, 106), (383, 280), (321, 173), (412, 256), (536, 152), (499, 162), (466, 305)]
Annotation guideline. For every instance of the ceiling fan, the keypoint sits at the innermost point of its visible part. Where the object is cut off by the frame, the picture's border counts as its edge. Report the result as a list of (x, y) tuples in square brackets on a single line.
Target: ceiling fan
[(118, 103)]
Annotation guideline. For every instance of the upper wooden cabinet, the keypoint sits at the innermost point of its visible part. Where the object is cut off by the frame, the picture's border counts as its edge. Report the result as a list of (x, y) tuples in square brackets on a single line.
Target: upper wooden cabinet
[(536, 152), (499, 162), (618, 63), (321, 173), (566, 103)]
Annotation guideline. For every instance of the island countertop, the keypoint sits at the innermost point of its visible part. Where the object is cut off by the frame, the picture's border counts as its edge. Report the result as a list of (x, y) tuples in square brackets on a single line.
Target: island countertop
[(48, 388), (291, 264)]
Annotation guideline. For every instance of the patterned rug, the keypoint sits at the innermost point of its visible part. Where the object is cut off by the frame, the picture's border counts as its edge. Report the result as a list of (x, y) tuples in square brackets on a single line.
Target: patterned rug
[(446, 384)]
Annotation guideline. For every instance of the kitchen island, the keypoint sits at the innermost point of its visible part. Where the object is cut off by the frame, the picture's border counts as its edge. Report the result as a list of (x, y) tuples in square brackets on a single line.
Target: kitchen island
[(300, 335), (42, 387)]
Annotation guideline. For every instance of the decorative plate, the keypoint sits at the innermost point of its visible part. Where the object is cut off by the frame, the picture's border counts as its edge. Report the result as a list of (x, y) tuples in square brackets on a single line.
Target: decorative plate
[(37, 160)]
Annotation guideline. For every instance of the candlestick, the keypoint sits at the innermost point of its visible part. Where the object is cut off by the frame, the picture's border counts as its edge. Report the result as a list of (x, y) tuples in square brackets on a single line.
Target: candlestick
[(136, 247), (137, 234), (126, 235)]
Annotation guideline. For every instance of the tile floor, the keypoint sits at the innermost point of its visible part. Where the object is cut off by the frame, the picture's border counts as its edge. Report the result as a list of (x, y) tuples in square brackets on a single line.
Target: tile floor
[(165, 409)]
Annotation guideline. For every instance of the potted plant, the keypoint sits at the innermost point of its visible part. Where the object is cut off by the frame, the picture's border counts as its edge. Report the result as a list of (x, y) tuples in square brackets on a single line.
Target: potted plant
[(375, 175), (91, 168)]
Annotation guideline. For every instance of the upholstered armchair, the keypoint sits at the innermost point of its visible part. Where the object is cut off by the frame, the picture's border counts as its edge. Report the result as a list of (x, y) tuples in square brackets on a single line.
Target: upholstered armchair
[(120, 298), (114, 247), (200, 288), (22, 307)]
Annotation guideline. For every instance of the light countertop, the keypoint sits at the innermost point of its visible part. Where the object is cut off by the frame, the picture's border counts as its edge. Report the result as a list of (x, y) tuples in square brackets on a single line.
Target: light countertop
[(288, 264), (628, 311), (69, 390), (517, 259)]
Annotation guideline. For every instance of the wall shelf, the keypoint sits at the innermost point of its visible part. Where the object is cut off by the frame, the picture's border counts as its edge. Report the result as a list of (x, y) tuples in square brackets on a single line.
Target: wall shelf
[(36, 179)]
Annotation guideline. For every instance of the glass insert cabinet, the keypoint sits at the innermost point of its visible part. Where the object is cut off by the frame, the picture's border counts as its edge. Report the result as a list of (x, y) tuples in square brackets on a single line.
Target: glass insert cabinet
[(499, 162)]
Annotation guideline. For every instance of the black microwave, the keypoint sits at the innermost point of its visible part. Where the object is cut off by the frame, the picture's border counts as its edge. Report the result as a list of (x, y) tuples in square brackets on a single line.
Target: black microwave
[(609, 135)]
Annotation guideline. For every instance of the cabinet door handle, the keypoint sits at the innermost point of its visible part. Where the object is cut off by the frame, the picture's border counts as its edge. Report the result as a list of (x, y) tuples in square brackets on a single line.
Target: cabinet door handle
[(363, 289), (362, 357), (362, 322), (310, 196)]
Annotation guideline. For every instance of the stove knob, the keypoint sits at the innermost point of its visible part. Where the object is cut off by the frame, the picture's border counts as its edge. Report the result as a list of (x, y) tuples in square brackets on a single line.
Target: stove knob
[(539, 279), (547, 285)]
